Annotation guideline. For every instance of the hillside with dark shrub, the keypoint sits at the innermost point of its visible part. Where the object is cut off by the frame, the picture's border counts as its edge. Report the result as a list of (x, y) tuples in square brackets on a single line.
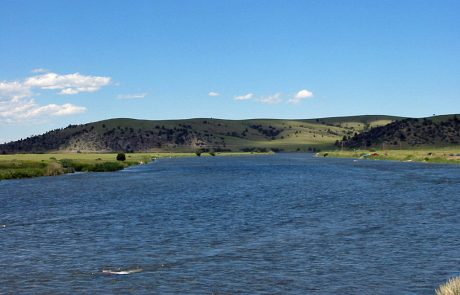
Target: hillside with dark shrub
[(435, 131), (205, 134)]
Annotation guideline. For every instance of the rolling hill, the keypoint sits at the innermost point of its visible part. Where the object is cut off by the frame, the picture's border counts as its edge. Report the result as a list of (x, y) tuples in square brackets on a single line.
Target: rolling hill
[(410, 132), (207, 134)]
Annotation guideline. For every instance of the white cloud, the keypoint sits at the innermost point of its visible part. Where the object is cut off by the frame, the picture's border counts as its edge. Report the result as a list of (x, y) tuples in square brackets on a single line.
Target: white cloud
[(16, 111), (245, 97), (68, 91), (302, 94), (212, 93), (17, 102), (132, 95), (13, 90), (68, 84), (271, 99), (40, 70), (58, 110)]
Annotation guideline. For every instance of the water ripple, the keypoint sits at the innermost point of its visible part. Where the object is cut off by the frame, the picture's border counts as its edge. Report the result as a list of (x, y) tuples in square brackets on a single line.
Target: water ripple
[(284, 224)]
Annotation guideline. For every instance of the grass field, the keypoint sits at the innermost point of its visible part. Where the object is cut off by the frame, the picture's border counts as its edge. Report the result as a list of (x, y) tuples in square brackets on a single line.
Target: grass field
[(33, 165), (448, 155)]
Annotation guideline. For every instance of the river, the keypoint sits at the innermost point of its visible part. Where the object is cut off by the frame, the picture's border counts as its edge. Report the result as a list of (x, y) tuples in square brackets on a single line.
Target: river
[(279, 224)]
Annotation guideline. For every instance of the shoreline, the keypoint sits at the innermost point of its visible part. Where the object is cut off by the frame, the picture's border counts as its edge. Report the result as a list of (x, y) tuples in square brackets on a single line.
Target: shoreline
[(449, 155), (19, 166)]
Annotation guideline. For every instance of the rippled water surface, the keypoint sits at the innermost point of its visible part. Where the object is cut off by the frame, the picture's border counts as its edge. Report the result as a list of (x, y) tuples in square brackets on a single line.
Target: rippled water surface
[(282, 224)]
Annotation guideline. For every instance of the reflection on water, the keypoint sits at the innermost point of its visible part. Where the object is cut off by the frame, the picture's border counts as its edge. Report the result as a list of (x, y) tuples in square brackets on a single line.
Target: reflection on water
[(283, 224)]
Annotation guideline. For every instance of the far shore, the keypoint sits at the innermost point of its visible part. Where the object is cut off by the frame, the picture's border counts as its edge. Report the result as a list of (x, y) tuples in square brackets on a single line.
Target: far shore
[(440, 155), (14, 166)]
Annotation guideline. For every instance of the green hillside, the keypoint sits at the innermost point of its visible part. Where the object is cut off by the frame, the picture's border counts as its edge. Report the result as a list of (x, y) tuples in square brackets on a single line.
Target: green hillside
[(131, 135)]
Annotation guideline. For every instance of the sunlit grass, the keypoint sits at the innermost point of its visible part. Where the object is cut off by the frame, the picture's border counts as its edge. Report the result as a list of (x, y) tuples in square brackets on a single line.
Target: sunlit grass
[(450, 155), (451, 287), (33, 165)]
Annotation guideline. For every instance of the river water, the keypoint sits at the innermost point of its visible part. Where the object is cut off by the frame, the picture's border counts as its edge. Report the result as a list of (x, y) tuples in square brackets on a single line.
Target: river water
[(281, 224)]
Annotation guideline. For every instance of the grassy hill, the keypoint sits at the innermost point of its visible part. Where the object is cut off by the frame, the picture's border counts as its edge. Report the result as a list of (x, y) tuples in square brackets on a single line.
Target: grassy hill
[(437, 131), (187, 135)]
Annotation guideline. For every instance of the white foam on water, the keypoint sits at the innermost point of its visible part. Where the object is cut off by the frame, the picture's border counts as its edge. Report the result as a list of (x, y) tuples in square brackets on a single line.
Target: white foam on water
[(121, 272)]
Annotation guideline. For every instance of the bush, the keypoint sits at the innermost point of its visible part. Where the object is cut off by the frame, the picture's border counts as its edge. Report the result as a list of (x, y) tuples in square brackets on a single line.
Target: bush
[(252, 149), (74, 166), (121, 157), (21, 173), (212, 154), (198, 154), (106, 167), (53, 169), (277, 150)]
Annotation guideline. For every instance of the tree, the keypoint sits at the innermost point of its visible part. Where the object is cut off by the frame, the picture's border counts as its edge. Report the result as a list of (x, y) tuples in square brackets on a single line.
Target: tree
[(121, 157)]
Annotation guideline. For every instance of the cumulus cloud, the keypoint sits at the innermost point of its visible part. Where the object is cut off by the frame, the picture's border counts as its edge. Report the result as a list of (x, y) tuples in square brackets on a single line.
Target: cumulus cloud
[(245, 97), (301, 95), (132, 95), (271, 99), (58, 110), (68, 84), (212, 93), (17, 102), (14, 111), (13, 90)]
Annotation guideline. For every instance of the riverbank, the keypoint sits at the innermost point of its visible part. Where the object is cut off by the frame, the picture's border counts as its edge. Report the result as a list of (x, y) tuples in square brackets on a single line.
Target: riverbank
[(35, 165), (448, 155)]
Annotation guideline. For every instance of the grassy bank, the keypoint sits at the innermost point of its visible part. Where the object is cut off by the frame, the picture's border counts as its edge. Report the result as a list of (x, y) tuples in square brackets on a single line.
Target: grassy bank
[(451, 287), (447, 155), (33, 165)]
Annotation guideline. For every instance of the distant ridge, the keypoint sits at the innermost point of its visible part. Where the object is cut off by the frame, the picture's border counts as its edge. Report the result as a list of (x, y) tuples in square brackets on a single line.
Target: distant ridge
[(209, 134), (410, 132)]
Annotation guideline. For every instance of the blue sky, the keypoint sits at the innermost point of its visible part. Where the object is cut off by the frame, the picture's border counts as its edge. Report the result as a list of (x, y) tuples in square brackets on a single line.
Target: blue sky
[(64, 62)]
